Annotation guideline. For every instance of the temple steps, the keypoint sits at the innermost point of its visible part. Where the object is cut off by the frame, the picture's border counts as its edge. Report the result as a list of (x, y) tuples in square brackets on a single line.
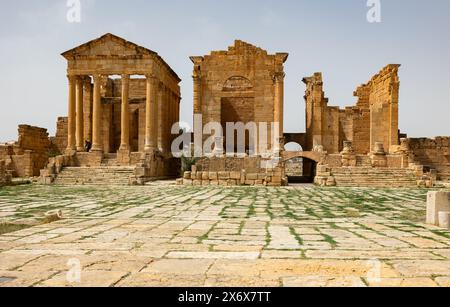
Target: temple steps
[(374, 177), (104, 175)]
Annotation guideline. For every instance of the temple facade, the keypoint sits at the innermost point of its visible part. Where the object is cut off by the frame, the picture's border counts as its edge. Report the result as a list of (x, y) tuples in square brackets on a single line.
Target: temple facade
[(122, 102)]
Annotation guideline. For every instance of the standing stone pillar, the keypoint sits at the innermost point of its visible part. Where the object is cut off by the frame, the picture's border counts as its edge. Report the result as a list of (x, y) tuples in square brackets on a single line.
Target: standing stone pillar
[(198, 142), (80, 114), (125, 114), (161, 103), (150, 114), (97, 113), (71, 141), (279, 102), (168, 127)]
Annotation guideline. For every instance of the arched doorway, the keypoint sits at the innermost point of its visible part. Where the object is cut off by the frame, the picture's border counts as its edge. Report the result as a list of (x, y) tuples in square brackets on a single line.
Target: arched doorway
[(299, 166)]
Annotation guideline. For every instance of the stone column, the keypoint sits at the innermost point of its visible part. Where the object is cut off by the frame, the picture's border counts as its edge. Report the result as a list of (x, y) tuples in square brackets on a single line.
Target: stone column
[(125, 114), (198, 144), (162, 101), (97, 113), (279, 101), (71, 141), (80, 114), (150, 114), (167, 126)]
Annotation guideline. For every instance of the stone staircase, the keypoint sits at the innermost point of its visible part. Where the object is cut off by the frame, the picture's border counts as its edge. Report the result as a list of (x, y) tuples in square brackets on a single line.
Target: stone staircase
[(374, 177), (103, 175), (109, 160)]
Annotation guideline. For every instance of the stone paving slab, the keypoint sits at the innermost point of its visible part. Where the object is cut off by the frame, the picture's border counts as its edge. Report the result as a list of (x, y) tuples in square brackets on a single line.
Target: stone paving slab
[(167, 235)]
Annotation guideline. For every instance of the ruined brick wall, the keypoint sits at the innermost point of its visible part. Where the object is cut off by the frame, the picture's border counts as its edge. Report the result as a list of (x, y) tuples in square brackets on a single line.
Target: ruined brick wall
[(373, 119), (35, 143), (238, 85), (59, 141), (432, 153), (323, 123), (27, 156), (4, 177), (361, 121), (383, 99)]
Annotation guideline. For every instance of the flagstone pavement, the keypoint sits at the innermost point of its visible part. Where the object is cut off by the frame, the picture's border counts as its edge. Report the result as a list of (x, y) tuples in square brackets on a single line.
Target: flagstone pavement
[(168, 235)]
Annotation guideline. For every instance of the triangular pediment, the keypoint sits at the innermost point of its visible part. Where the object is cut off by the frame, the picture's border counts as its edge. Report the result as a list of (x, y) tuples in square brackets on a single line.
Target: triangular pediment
[(108, 45)]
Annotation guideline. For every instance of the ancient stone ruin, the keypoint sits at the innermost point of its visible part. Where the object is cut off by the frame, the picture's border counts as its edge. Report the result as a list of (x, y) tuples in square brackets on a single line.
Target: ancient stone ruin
[(123, 101), (27, 156), (355, 146)]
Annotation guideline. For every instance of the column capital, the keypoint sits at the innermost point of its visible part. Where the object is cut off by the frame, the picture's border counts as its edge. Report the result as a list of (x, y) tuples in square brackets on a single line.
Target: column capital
[(279, 76), (72, 78)]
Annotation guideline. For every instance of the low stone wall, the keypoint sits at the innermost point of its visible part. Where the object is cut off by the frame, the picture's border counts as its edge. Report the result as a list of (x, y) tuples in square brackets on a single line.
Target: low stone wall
[(432, 153), (234, 171)]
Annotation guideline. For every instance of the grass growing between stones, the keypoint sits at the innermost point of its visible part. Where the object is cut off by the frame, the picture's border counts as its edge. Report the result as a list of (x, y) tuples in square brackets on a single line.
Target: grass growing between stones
[(8, 228)]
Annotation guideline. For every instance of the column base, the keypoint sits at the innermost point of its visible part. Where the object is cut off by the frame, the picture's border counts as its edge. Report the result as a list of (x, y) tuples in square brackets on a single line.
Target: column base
[(81, 149), (96, 148)]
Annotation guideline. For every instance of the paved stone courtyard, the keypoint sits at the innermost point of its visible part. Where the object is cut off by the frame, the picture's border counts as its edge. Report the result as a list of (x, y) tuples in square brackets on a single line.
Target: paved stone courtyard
[(167, 235)]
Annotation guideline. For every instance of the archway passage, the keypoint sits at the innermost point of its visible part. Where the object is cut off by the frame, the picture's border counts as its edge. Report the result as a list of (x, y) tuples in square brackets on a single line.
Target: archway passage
[(300, 166), (300, 170)]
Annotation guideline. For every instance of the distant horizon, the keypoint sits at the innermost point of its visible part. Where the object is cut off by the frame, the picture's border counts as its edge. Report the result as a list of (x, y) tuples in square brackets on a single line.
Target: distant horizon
[(320, 36)]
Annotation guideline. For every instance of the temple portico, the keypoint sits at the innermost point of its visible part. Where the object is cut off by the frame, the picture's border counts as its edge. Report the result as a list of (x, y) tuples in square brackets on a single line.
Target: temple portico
[(131, 113), (122, 101)]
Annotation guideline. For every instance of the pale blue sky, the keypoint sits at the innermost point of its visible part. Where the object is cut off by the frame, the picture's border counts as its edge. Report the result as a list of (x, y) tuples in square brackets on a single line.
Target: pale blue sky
[(331, 36)]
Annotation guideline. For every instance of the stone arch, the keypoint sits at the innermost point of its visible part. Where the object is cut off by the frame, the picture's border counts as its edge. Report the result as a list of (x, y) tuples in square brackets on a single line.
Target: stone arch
[(237, 84)]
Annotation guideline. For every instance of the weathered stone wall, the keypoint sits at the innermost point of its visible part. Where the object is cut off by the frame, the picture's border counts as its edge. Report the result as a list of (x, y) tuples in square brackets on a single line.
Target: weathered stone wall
[(384, 96), (59, 141), (432, 153), (29, 154), (228, 171), (4, 176)]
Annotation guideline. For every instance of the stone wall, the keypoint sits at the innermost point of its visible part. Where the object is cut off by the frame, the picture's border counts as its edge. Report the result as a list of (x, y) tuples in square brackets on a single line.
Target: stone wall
[(433, 154), (59, 141), (29, 154), (5, 178), (228, 171)]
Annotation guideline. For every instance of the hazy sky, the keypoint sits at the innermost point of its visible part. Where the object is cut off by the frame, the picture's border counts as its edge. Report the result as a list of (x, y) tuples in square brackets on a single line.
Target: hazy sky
[(331, 36)]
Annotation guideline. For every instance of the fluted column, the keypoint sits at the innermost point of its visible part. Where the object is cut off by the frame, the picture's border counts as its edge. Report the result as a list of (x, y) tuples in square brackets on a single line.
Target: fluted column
[(150, 114), (71, 141), (80, 114), (279, 102), (125, 114), (96, 118)]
